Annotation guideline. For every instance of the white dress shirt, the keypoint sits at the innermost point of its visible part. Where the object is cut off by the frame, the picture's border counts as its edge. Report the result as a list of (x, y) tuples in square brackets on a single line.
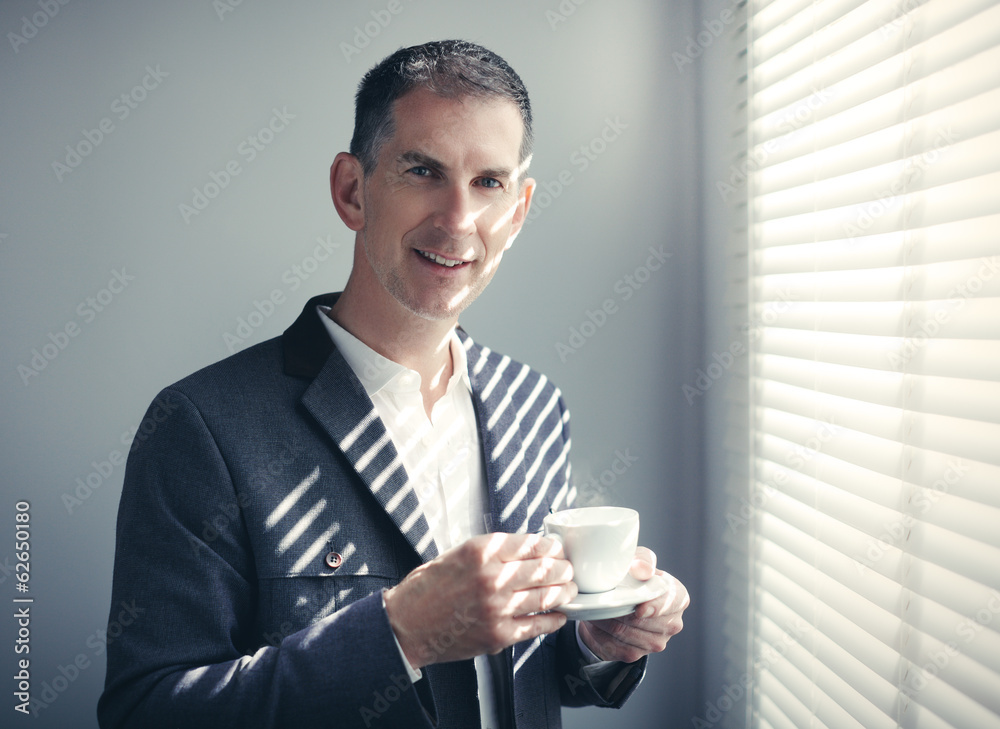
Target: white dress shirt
[(441, 455)]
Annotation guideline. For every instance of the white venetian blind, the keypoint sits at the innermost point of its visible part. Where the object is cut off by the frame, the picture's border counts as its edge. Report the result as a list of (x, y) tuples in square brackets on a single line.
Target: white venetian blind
[(874, 232)]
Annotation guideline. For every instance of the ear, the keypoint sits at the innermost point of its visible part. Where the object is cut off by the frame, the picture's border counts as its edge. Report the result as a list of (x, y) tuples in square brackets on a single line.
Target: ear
[(346, 180), (521, 211)]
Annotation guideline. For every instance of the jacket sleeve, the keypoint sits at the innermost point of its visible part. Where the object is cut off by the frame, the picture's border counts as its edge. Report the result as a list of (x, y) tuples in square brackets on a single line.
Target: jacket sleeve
[(605, 684), (191, 656)]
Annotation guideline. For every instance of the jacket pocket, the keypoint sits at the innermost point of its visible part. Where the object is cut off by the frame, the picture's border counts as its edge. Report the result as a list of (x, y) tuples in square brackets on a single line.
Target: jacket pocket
[(293, 597)]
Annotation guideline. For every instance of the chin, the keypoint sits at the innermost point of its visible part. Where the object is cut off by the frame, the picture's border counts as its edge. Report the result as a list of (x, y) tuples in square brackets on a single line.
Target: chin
[(434, 305), (438, 312)]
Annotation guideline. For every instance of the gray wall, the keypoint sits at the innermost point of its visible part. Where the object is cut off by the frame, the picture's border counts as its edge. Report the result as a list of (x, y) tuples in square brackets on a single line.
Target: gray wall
[(114, 214), (724, 400)]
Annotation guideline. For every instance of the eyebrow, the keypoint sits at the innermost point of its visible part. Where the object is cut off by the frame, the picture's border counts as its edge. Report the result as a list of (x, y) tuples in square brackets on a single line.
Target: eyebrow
[(419, 158)]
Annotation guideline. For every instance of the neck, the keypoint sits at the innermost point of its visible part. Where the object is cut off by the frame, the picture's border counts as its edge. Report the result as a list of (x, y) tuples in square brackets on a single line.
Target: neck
[(400, 335)]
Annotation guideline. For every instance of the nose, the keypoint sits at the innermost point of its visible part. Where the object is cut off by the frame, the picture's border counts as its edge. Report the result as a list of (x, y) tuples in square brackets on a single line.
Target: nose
[(455, 212)]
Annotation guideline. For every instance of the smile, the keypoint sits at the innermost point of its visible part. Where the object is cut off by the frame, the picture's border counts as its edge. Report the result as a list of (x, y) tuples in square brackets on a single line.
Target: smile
[(440, 259)]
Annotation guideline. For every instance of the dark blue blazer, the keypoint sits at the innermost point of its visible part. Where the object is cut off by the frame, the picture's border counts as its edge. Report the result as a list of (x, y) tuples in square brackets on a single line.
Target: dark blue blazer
[(251, 472)]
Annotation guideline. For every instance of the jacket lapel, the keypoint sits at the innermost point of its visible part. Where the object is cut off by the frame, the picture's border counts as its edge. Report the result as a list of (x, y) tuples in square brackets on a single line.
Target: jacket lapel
[(498, 435), (339, 403)]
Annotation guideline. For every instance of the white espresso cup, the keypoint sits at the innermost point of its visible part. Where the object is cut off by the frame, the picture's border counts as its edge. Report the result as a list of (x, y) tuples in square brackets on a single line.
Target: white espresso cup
[(600, 542)]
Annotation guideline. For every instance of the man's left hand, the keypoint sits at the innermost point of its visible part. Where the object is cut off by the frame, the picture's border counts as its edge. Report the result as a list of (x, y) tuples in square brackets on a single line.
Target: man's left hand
[(648, 629)]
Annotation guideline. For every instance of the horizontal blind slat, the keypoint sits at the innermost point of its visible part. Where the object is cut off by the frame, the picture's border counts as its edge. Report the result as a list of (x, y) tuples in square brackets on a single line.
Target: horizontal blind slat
[(973, 359)]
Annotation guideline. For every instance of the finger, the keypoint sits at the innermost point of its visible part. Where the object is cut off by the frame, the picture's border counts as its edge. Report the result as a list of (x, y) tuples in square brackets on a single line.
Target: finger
[(645, 641), (666, 625), (529, 573), (643, 565), (646, 610), (646, 555), (637, 631), (531, 626), (641, 570), (673, 602), (541, 599), (631, 623), (661, 605), (515, 547)]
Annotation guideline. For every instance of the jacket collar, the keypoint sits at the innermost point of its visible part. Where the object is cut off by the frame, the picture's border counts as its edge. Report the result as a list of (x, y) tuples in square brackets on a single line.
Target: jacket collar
[(305, 344)]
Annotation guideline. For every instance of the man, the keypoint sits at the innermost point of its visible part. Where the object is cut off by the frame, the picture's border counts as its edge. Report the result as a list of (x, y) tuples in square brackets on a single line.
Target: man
[(337, 527)]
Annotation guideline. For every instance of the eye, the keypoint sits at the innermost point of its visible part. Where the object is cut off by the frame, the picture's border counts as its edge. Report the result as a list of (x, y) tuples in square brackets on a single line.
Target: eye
[(420, 171), (490, 182)]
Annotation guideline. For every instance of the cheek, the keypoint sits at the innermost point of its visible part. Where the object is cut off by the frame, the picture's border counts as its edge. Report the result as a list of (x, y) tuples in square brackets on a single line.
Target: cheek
[(496, 244), (493, 260), (495, 231), (399, 213)]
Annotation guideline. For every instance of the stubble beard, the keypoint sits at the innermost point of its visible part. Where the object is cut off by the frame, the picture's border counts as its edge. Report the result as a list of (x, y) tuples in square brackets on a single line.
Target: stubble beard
[(440, 309), (391, 279)]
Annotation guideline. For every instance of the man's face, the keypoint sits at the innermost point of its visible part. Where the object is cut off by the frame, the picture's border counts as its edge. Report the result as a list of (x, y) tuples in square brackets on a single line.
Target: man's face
[(444, 201)]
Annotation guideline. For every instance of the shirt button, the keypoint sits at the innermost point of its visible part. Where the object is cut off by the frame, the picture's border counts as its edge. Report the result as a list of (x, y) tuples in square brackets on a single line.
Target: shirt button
[(333, 560)]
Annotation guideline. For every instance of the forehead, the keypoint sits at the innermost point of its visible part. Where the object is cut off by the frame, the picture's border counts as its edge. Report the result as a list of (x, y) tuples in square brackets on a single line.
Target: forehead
[(437, 125)]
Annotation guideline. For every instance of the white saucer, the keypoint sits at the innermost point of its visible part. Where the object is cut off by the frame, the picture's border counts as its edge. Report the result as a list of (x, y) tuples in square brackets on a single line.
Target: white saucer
[(614, 603)]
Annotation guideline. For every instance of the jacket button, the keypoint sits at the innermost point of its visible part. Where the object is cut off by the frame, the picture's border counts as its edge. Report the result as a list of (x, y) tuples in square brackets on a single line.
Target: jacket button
[(333, 560)]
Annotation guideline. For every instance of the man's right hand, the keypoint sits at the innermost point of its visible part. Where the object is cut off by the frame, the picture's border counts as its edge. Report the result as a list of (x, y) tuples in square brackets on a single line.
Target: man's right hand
[(480, 597)]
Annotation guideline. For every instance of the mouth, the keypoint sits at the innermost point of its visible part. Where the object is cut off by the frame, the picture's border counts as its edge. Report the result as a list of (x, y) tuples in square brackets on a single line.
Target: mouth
[(441, 260)]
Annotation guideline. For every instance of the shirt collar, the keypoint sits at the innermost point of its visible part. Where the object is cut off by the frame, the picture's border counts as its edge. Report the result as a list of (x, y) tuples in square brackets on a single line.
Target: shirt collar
[(377, 372)]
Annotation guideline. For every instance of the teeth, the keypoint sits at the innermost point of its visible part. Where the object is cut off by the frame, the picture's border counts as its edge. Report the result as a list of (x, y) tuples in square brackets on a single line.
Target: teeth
[(438, 259)]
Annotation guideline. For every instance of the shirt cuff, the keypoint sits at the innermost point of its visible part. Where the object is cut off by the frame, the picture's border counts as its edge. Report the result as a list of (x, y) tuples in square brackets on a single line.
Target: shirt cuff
[(588, 655), (415, 674)]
